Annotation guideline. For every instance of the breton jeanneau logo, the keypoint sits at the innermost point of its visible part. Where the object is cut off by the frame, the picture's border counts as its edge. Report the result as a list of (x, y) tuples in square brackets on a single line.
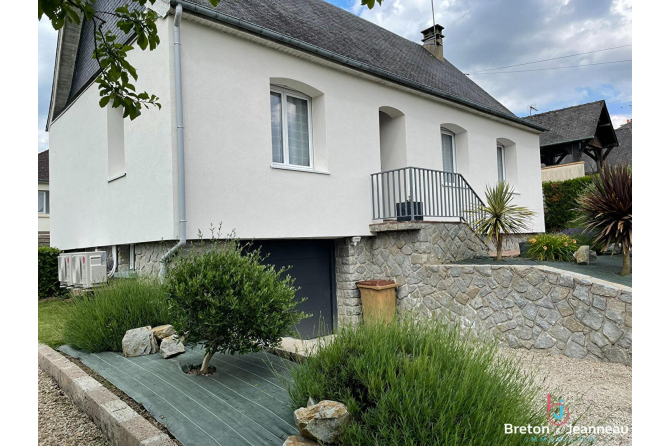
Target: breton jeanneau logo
[(557, 417)]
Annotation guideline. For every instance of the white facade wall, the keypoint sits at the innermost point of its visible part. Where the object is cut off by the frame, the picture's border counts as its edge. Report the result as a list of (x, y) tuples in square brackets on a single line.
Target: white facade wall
[(228, 143), (86, 208), (229, 178)]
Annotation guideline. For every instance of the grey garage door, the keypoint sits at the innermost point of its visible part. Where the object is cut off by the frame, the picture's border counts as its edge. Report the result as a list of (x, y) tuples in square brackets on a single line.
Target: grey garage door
[(311, 263)]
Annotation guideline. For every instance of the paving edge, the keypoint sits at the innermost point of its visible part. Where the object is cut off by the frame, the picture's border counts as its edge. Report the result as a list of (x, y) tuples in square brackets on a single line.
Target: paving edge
[(119, 422)]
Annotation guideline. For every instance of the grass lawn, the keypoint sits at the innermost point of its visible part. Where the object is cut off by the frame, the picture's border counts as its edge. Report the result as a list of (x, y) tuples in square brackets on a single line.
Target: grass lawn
[(51, 318)]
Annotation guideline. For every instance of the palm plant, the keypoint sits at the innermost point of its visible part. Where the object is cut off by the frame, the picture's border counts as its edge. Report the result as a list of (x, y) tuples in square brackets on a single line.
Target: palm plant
[(606, 208), (501, 217)]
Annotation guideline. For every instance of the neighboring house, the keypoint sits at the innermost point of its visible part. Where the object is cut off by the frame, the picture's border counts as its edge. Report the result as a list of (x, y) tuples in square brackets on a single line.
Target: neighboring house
[(576, 131), (43, 210), (623, 153), (301, 122)]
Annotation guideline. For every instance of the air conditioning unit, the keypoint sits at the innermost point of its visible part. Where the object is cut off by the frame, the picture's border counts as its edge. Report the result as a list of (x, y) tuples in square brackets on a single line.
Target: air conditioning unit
[(65, 269), (89, 268)]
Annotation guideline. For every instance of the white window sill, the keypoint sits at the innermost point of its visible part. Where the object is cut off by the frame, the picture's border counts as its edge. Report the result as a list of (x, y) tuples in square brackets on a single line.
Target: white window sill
[(117, 177), (42, 215), (298, 169)]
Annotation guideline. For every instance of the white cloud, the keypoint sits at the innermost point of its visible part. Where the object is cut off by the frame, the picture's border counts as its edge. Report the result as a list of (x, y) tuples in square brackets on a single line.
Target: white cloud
[(46, 55), (619, 120), (482, 35)]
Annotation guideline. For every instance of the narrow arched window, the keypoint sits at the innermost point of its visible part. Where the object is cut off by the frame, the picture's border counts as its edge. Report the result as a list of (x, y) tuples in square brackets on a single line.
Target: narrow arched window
[(501, 162), (448, 151)]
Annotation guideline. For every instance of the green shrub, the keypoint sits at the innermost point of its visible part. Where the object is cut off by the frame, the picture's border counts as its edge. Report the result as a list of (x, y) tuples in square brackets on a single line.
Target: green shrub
[(554, 247), (420, 384), (47, 272), (226, 298), (560, 198), (97, 322)]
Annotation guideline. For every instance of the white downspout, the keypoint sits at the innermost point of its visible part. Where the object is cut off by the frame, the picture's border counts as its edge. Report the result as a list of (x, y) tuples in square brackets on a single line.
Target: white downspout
[(114, 261), (180, 140)]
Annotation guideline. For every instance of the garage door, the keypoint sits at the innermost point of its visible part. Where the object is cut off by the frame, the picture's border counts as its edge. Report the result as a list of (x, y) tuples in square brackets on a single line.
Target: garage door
[(311, 263)]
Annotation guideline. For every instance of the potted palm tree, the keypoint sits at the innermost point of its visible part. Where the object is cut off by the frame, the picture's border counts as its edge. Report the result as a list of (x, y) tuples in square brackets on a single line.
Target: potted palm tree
[(501, 217), (606, 207)]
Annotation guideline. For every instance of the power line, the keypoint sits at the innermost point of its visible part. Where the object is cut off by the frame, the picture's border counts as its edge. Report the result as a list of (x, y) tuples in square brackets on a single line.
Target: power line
[(555, 68), (621, 100), (554, 58)]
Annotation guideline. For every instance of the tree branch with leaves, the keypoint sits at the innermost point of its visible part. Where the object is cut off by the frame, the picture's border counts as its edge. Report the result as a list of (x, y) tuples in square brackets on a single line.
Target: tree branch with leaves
[(134, 21)]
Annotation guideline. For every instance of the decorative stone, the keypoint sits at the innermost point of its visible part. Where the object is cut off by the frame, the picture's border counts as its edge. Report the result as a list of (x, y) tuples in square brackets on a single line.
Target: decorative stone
[(322, 422), (612, 331), (582, 255), (172, 346), (574, 350), (593, 256), (545, 341), (299, 440), (593, 319), (163, 331), (616, 310), (571, 324), (139, 342)]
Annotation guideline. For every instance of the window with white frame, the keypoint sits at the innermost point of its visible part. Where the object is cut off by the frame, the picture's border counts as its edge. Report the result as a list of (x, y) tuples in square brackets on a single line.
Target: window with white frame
[(291, 117), (448, 151), (42, 202), (501, 162)]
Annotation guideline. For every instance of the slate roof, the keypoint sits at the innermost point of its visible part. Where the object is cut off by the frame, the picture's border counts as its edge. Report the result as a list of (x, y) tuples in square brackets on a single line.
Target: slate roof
[(43, 166), (86, 68), (621, 154), (337, 31), (569, 124)]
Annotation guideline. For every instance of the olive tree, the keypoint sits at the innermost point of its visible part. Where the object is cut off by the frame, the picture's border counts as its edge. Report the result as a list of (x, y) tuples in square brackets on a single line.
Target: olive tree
[(228, 300)]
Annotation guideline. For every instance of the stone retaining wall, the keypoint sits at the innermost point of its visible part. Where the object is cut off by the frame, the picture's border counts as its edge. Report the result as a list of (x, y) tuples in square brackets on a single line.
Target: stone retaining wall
[(399, 252), (532, 307)]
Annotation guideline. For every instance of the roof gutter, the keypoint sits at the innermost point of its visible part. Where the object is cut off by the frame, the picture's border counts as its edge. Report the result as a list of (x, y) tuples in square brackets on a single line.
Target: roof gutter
[(180, 142), (308, 47)]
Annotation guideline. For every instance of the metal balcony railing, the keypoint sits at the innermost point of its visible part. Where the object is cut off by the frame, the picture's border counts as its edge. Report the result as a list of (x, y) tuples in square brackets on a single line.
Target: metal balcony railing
[(412, 193)]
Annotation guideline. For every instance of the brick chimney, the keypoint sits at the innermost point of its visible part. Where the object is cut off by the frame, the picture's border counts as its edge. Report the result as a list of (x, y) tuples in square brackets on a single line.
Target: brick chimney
[(432, 41)]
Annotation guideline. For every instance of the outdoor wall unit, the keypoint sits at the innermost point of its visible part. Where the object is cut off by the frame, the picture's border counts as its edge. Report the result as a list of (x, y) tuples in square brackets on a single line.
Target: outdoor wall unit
[(65, 269), (88, 269)]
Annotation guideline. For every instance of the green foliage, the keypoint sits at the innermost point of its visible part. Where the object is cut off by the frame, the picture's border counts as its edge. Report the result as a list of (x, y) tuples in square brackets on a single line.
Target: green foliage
[(501, 217), (607, 208), (47, 272), (553, 247), (51, 316), (560, 198), (409, 383), (227, 298), (97, 322), (139, 23)]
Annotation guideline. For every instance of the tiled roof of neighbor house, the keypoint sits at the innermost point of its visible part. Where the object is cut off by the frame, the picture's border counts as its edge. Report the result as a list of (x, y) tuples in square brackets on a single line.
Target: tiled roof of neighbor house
[(43, 166), (569, 124), (621, 154), (339, 32)]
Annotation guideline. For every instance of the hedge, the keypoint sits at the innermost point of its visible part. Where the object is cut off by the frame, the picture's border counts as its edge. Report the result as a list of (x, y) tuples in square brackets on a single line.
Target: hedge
[(47, 271), (560, 198)]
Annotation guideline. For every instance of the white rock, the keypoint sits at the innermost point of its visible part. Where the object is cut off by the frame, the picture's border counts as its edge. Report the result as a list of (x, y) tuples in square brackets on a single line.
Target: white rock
[(172, 346), (139, 342)]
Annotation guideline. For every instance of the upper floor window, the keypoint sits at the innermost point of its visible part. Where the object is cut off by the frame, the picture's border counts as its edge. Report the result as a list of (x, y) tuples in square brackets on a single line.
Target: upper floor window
[(291, 118), (42, 202), (448, 151), (501, 162)]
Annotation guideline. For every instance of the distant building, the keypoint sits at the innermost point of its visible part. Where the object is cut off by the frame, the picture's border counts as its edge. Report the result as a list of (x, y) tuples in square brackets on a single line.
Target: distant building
[(622, 154), (584, 129), (43, 209)]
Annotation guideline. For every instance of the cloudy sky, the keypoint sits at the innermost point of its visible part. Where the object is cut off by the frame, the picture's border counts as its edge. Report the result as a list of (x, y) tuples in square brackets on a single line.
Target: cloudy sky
[(485, 34)]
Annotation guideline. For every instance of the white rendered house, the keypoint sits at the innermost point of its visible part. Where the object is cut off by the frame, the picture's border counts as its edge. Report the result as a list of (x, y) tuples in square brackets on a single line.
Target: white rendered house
[(303, 125)]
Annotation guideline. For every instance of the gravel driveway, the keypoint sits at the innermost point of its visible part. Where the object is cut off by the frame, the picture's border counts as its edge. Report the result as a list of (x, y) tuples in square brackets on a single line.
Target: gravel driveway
[(605, 387), (61, 423)]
